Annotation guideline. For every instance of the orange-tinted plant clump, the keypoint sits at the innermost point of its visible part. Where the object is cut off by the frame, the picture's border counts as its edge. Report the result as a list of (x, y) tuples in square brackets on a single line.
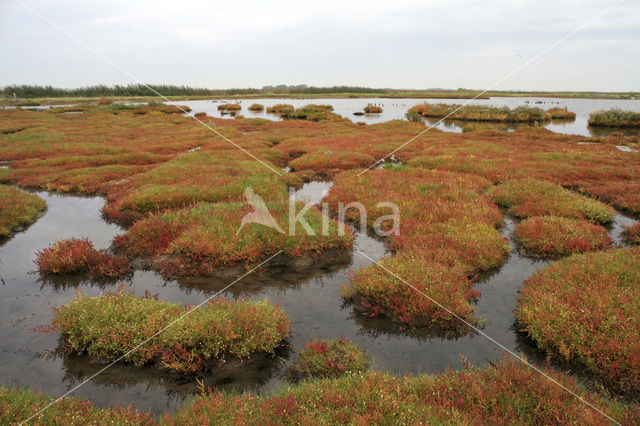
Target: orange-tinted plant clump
[(18, 209), (78, 256), (229, 107), (549, 236), (372, 109), (632, 233), (584, 308), (561, 114), (528, 197)]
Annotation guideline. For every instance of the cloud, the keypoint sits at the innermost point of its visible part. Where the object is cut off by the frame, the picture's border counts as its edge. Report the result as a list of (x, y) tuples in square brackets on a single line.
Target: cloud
[(378, 43)]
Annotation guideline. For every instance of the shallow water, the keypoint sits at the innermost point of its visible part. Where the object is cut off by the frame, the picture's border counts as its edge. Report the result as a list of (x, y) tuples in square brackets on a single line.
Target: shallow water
[(309, 291), (395, 109)]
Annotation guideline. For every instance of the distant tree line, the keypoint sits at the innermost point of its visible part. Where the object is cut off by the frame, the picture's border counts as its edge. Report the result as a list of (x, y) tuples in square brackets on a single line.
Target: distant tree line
[(30, 91), (334, 89), (26, 91)]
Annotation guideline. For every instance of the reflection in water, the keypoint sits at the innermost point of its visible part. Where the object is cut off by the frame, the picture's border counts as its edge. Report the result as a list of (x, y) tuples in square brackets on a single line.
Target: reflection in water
[(309, 291)]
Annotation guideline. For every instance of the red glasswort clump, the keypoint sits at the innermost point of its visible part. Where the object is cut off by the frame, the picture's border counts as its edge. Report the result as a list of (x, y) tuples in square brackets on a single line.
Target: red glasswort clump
[(78, 256), (17, 209), (448, 234), (558, 236), (632, 233), (585, 308)]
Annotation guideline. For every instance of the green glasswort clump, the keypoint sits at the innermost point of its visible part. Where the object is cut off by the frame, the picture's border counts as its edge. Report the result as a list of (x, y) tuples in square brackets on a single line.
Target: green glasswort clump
[(110, 325)]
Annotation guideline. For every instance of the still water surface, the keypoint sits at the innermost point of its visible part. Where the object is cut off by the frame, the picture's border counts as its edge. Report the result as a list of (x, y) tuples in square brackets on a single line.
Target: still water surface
[(395, 109), (309, 291)]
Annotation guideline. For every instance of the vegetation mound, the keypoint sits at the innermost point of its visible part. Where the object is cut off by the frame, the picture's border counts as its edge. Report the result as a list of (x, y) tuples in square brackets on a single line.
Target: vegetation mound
[(329, 358), (614, 118), (256, 107), (134, 109), (280, 109), (17, 404), (229, 107), (529, 197), (372, 109), (328, 162), (18, 209), (111, 325), (561, 114), (447, 233), (549, 236), (585, 308), (201, 239), (198, 176), (312, 113), (505, 392), (78, 256), (480, 112)]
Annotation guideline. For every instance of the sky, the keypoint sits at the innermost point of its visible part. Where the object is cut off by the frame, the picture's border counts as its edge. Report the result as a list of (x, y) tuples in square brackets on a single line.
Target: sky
[(392, 44)]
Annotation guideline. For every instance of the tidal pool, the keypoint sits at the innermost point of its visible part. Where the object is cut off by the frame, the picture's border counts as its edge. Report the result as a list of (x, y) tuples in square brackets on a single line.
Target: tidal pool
[(308, 290)]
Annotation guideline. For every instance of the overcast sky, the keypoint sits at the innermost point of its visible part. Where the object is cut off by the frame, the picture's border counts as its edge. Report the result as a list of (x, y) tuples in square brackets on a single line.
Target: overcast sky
[(396, 43)]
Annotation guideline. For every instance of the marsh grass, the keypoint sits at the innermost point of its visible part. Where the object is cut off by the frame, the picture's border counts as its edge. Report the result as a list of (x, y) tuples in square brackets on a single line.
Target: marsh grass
[(561, 114), (229, 107), (614, 118), (256, 107), (280, 109), (413, 116)]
